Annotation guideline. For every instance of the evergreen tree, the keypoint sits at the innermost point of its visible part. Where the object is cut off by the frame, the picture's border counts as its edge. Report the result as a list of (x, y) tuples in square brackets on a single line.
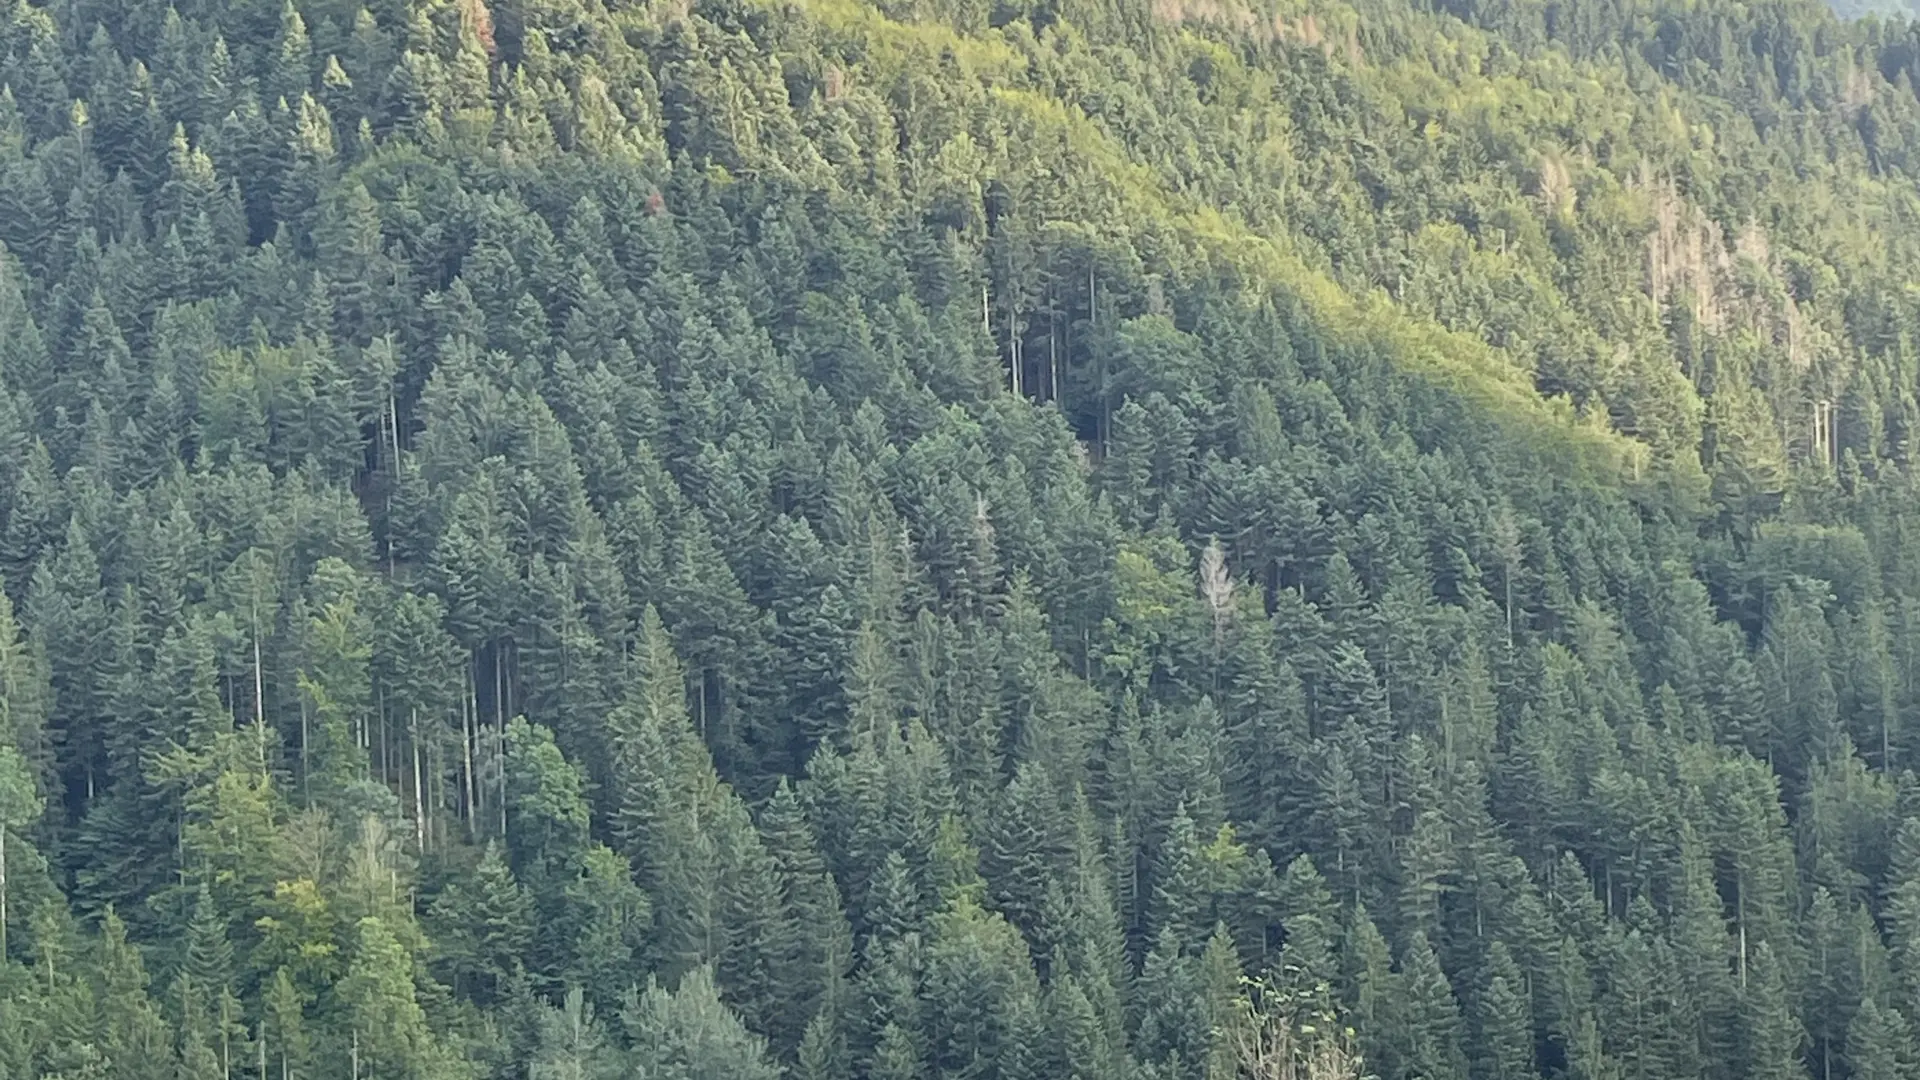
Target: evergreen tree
[(381, 1014), (571, 1044), (687, 1034), (1501, 1021), (20, 807), (483, 927), (1774, 1038), (1430, 1015), (1879, 1043), (932, 540)]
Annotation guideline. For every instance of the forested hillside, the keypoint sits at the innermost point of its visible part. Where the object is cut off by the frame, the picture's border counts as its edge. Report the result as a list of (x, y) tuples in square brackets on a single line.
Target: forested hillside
[(889, 539)]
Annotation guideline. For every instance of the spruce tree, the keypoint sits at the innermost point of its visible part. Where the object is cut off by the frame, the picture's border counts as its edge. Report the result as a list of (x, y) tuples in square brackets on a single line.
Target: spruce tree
[(1501, 1021), (1430, 1017), (687, 1034), (1879, 1043), (1774, 1038)]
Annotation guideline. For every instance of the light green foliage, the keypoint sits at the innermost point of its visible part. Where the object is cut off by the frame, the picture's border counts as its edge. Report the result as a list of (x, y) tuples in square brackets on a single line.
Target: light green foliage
[(687, 1034)]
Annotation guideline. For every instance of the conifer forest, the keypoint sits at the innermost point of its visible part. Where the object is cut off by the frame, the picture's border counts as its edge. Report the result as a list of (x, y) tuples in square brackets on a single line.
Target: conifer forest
[(959, 540)]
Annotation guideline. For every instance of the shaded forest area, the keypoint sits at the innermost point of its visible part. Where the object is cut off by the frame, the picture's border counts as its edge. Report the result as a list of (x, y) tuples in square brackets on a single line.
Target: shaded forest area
[(894, 539)]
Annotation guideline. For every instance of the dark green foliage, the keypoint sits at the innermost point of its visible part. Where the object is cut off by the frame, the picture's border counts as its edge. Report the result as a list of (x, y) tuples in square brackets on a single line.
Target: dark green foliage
[(931, 540)]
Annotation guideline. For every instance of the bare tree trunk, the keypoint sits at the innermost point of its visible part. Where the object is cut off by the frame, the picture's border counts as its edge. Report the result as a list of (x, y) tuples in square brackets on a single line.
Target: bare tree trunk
[(436, 784), (1100, 362), (380, 708), (259, 683), (306, 781), (466, 770), (1053, 358), (393, 468), (1013, 345), (419, 800), (500, 736), (1740, 918)]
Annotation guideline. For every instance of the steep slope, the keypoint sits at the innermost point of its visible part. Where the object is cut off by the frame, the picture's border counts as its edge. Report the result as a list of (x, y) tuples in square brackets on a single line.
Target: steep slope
[(962, 540)]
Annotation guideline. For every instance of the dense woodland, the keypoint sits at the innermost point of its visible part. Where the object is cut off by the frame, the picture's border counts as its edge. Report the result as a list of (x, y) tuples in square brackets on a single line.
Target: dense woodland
[(889, 539)]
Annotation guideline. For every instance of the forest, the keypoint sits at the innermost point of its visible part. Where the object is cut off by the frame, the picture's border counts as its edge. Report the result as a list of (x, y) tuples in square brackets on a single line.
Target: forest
[(959, 540)]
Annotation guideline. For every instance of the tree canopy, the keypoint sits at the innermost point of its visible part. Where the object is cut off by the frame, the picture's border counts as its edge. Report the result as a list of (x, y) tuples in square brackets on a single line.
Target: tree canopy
[(886, 539)]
